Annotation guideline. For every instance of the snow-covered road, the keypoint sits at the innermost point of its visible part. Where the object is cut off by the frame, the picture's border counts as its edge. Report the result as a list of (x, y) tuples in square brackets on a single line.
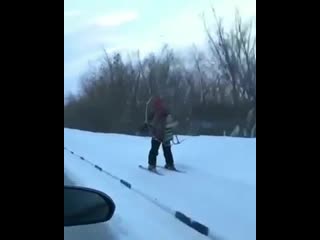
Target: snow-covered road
[(218, 190)]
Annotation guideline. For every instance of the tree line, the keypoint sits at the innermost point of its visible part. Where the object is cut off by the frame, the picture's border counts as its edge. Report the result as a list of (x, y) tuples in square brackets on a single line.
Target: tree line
[(210, 92)]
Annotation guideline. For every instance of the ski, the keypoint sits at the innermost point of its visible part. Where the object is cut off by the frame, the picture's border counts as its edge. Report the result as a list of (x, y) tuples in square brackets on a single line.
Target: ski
[(176, 170), (155, 171)]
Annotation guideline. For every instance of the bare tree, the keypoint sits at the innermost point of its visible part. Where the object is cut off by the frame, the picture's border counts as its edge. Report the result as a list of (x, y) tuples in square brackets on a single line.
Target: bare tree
[(113, 97)]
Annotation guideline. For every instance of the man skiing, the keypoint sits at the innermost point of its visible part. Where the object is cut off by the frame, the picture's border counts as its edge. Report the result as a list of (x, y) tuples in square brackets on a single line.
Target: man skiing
[(160, 123)]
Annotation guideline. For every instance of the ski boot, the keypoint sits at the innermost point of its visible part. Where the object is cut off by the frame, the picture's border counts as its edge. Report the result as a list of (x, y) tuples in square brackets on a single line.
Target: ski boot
[(152, 168), (170, 167)]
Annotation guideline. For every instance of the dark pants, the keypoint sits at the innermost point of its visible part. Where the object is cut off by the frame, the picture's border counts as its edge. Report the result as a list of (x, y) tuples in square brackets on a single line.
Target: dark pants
[(155, 145)]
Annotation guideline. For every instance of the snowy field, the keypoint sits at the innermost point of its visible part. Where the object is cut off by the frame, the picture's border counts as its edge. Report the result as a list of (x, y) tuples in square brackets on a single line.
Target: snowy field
[(218, 188)]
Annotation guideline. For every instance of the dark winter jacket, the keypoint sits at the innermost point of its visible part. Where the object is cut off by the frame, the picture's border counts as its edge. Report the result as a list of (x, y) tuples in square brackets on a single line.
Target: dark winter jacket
[(157, 114)]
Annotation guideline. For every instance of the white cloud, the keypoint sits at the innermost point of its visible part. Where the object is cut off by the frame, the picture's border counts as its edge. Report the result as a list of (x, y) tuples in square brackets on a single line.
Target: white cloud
[(115, 19), (184, 29), (72, 13)]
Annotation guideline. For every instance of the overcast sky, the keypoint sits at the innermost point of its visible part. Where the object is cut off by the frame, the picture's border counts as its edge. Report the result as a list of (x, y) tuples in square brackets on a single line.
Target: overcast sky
[(129, 25)]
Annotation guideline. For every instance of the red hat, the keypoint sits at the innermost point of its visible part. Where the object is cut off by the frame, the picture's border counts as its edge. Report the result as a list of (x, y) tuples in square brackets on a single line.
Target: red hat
[(159, 105)]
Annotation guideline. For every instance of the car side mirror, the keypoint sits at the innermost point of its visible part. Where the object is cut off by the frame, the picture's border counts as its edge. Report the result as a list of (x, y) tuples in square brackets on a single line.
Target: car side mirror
[(86, 206)]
